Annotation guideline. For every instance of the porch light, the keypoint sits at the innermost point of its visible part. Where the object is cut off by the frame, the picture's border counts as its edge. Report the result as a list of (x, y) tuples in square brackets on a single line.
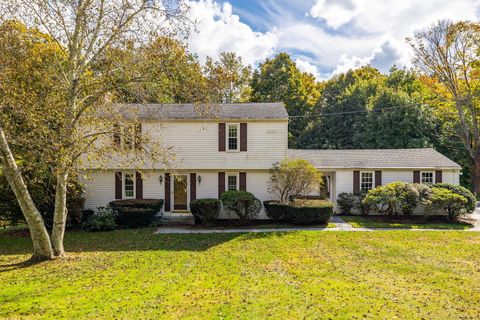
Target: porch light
[(199, 179), (160, 179)]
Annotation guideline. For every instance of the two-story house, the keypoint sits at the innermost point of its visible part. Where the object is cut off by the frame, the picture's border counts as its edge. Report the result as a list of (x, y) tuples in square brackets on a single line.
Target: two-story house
[(235, 146)]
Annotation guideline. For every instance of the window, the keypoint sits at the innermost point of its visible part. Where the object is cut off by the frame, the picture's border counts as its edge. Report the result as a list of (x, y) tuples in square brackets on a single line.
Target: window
[(232, 182), (366, 180), (232, 137), (129, 185), (426, 177), (127, 136)]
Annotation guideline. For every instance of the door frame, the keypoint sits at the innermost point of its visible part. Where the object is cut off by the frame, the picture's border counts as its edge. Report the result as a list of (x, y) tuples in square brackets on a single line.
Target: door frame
[(172, 192)]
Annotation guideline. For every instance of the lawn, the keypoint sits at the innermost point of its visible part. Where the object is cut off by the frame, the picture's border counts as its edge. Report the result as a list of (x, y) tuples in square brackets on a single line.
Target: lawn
[(138, 275), (381, 222)]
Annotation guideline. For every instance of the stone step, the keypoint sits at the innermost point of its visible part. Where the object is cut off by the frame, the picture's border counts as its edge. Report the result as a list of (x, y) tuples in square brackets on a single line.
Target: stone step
[(178, 220)]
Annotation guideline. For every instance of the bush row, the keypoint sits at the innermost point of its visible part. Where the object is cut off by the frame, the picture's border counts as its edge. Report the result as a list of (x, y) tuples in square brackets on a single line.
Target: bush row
[(400, 198), (300, 211)]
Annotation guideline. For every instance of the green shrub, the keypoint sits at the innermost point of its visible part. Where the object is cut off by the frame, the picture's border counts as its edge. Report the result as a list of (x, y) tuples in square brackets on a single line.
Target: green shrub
[(304, 212), (243, 203), (154, 204), (205, 211), (464, 192), (347, 201), (275, 209), (135, 217), (382, 198), (453, 204), (102, 220)]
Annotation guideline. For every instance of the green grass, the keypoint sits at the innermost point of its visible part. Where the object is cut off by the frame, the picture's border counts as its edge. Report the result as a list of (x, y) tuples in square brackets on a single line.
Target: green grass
[(135, 274), (374, 222), (276, 225)]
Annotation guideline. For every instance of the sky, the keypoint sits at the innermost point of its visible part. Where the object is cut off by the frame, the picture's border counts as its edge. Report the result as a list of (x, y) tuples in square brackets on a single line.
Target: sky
[(323, 37)]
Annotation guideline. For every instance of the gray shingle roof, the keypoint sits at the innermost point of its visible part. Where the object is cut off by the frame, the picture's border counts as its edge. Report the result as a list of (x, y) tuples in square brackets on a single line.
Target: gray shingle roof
[(426, 158), (222, 111)]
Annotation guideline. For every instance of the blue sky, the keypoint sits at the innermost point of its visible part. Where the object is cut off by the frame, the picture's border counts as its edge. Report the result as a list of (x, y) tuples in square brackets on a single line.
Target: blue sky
[(324, 37)]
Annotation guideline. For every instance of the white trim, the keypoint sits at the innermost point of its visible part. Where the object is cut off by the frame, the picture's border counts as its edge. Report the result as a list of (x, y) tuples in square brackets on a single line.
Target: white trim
[(227, 149), (237, 175), (124, 196), (172, 190), (360, 180), (427, 171)]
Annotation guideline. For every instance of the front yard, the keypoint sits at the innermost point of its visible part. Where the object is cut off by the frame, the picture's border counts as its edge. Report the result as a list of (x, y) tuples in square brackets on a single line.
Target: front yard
[(136, 274), (405, 223)]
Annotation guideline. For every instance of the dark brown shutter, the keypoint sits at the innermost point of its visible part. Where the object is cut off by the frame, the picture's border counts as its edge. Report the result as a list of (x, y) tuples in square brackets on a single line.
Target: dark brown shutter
[(243, 137), (221, 183), (438, 176), (221, 137), (167, 192), (138, 136), (243, 181), (116, 135), (193, 186), (378, 178), (138, 185), (118, 185), (416, 176), (356, 181)]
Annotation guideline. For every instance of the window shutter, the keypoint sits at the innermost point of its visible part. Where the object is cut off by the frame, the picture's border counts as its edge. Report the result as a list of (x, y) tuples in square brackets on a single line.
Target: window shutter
[(138, 186), (193, 186), (243, 137), (416, 176), (138, 136), (118, 185), (221, 137), (116, 135), (356, 181), (378, 178), (221, 183), (438, 176), (243, 181), (167, 192)]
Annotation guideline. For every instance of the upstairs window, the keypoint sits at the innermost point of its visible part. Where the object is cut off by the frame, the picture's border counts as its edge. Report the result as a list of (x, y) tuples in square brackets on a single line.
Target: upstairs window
[(232, 137), (366, 180), (426, 177), (128, 185), (232, 182), (127, 137)]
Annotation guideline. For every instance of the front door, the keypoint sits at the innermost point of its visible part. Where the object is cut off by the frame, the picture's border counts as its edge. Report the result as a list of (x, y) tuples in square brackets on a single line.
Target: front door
[(180, 183)]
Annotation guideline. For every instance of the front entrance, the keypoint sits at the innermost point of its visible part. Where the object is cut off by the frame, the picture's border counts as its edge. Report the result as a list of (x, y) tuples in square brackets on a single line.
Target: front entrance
[(180, 193)]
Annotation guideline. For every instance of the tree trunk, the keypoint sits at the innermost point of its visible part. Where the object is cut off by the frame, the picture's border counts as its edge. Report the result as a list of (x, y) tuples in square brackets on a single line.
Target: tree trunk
[(60, 214), (42, 248), (476, 174)]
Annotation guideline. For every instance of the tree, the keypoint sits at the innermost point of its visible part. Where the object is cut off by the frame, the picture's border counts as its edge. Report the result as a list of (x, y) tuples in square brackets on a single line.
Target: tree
[(449, 52), (293, 177), (228, 79), (83, 32), (279, 80)]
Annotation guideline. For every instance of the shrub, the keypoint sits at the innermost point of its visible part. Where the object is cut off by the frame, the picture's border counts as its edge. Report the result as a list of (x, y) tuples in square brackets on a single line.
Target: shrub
[(453, 204), (347, 201), (293, 177), (102, 220), (154, 204), (309, 211), (275, 209), (410, 195), (382, 198), (464, 192), (135, 217), (205, 211), (243, 203)]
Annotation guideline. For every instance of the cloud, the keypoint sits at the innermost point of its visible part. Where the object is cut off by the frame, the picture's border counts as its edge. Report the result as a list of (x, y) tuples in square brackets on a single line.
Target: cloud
[(219, 30), (306, 66)]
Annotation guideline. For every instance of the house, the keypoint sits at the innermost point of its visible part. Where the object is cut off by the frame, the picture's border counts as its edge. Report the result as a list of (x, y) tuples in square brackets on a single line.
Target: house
[(233, 147)]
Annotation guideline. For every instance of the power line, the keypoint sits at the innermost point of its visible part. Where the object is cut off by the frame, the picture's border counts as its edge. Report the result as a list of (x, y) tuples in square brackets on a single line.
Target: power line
[(345, 112)]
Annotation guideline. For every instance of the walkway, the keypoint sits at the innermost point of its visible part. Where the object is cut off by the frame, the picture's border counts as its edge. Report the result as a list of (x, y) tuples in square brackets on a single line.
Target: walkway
[(341, 225)]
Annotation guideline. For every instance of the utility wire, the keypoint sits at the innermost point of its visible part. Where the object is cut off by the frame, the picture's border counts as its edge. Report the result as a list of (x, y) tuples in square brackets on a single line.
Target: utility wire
[(340, 113)]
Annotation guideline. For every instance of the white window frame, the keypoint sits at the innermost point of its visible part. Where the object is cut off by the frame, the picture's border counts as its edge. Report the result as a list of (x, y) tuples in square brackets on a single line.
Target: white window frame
[(361, 182), (124, 176), (431, 172), (237, 177), (227, 138)]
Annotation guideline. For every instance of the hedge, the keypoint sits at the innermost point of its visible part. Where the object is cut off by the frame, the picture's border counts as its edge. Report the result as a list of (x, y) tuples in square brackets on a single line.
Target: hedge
[(132, 213), (205, 211), (309, 211), (464, 192), (275, 210), (155, 204)]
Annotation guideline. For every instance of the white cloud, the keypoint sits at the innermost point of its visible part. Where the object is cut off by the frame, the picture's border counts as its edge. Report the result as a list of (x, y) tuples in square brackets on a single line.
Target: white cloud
[(306, 66), (218, 30)]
